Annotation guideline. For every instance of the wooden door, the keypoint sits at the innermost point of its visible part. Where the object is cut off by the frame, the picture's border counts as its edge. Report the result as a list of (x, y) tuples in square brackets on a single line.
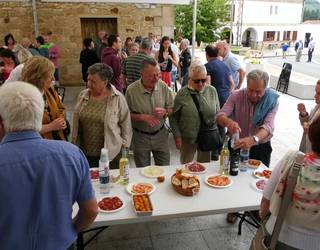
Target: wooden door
[(91, 26)]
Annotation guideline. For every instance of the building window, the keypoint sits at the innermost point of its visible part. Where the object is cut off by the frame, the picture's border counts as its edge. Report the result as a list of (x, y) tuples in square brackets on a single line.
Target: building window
[(271, 9), (276, 10), (286, 35), (269, 36)]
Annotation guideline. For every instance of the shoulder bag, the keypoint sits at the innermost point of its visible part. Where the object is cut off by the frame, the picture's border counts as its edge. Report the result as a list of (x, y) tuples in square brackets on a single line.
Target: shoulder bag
[(210, 137)]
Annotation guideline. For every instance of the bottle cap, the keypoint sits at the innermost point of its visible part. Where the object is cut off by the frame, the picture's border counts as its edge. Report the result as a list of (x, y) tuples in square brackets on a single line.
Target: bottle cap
[(104, 155)]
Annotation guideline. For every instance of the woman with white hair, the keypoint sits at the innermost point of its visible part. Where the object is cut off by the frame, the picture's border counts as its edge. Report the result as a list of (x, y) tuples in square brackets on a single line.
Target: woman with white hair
[(186, 122), (185, 57)]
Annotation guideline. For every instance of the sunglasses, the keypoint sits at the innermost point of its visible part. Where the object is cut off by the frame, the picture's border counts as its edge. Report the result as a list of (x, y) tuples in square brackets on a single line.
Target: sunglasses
[(197, 81)]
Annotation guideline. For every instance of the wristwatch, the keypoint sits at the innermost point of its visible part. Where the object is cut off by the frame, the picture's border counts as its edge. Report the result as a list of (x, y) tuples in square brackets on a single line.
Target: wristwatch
[(256, 139)]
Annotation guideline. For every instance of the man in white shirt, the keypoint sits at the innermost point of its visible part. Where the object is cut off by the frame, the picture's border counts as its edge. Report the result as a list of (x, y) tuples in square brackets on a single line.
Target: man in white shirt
[(310, 49)]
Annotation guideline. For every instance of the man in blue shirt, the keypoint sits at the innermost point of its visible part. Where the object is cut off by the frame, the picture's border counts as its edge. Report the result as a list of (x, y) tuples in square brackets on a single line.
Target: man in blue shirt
[(238, 73), (40, 179), (219, 74)]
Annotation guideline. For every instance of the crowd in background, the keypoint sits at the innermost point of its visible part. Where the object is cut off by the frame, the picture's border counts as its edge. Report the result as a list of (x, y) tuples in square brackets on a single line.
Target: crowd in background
[(128, 99)]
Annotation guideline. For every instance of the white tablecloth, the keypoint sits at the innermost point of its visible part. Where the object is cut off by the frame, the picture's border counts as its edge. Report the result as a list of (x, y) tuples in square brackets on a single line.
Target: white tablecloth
[(167, 203)]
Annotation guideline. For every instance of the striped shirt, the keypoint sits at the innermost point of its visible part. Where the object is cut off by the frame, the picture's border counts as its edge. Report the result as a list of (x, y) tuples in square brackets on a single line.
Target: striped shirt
[(132, 66)]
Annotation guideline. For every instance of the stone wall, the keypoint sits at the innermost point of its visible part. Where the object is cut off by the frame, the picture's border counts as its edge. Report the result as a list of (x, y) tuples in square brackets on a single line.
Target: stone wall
[(63, 19)]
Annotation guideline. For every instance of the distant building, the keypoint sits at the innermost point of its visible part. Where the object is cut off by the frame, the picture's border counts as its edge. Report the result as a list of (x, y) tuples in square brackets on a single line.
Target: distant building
[(258, 22)]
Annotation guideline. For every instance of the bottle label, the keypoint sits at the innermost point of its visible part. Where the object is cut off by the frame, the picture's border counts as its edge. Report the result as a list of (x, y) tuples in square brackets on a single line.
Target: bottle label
[(126, 172), (104, 179)]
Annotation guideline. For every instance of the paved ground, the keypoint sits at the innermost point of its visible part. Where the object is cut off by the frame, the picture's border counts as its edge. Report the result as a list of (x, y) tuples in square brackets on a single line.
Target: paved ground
[(207, 232)]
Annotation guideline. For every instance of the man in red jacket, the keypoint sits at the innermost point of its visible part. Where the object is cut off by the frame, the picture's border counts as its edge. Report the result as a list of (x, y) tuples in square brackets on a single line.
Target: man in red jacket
[(111, 57)]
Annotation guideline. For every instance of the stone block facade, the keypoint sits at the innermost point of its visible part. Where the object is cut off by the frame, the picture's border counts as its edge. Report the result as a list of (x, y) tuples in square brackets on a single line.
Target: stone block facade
[(63, 19)]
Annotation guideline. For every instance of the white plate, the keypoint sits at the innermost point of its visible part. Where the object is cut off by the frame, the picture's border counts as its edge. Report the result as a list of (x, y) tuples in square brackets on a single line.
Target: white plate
[(254, 184), (130, 185), (94, 169), (253, 166), (145, 170), (111, 211), (260, 169), (209, 184), (191, 172)]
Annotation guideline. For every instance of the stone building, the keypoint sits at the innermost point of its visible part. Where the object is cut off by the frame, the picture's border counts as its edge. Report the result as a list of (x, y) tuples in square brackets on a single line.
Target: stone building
[(71, 21)]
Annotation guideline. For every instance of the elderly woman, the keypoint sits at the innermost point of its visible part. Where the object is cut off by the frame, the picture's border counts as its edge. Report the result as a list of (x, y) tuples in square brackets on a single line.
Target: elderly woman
[(300, 229), (101, 118), (185, 57), (306, 119), (39, 71), (185, 121)]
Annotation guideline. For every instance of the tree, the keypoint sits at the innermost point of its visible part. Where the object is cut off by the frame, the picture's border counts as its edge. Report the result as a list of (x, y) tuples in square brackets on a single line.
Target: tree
[(212, 17)]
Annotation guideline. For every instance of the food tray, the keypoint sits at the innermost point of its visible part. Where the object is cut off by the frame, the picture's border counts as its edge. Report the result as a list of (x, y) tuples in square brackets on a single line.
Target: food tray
[(145, 197)]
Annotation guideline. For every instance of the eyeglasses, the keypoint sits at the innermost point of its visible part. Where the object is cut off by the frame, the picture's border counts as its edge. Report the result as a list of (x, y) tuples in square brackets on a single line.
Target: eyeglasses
[(198, 81)]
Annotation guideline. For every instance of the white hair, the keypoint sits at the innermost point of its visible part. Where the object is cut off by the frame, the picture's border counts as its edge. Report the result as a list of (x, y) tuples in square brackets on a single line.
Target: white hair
[(21, 107), (185, 41), (196, 66)]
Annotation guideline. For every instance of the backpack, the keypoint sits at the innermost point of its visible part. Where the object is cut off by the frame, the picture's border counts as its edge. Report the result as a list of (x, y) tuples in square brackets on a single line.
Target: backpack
[(296, 46)]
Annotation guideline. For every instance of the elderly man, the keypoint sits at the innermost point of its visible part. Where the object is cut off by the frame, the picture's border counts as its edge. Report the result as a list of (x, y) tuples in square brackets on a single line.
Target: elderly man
[(132, 65), (253, 110), (238, 73), (39, 179), (150, 102)]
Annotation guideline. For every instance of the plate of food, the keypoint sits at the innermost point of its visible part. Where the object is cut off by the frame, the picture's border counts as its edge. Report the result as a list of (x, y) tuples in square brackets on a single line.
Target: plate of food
[(260, 184), (218, 181), (262, 173), (153, 171), (110, 204), (252, 163), (140, 188), (94, 174), (195, 168)]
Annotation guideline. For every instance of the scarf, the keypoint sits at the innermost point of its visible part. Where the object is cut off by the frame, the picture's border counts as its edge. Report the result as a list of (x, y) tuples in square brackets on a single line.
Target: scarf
[(266, 104)]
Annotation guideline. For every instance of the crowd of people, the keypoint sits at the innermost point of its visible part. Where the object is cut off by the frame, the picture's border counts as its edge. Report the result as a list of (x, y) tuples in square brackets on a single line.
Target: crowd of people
[(126, 103)]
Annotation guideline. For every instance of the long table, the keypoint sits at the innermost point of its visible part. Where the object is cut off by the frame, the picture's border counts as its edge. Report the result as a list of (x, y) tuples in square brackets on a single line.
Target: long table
[(167, 203)]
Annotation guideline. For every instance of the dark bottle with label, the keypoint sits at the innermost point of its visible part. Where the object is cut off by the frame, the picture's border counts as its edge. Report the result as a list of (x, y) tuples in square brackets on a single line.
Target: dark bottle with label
[(234, 160)]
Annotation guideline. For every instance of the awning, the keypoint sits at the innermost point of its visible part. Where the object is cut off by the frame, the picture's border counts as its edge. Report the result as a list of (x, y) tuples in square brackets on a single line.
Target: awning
[(123, 1)]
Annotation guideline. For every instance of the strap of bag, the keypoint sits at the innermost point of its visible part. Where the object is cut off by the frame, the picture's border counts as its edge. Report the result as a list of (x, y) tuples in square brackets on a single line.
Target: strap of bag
[(292, 180), (196, 102)]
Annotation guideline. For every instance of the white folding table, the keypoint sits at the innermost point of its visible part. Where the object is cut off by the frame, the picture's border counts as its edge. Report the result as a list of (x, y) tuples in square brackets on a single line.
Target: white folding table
[(167, 203)]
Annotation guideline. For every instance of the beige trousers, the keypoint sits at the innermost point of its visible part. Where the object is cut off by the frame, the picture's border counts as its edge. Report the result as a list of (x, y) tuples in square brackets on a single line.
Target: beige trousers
[(189, 149)]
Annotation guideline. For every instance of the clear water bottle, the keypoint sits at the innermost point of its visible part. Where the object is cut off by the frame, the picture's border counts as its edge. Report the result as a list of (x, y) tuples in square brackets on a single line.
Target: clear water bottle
[(244, 157), (104, 175)]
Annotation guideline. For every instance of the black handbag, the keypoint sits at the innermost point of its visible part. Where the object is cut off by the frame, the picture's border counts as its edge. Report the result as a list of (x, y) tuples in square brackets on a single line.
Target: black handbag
[(210, 137)]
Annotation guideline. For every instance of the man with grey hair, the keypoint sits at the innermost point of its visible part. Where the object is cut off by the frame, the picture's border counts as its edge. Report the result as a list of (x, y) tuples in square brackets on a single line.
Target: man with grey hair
[(184, 58), (150, 102), (132, 65), (237, 71), (253, 111), (39, 179)]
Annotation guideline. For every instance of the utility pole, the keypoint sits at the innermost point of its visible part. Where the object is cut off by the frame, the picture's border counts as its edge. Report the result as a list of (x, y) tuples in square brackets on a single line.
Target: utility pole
[(231, 22), (35, 18), (194, 27)]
